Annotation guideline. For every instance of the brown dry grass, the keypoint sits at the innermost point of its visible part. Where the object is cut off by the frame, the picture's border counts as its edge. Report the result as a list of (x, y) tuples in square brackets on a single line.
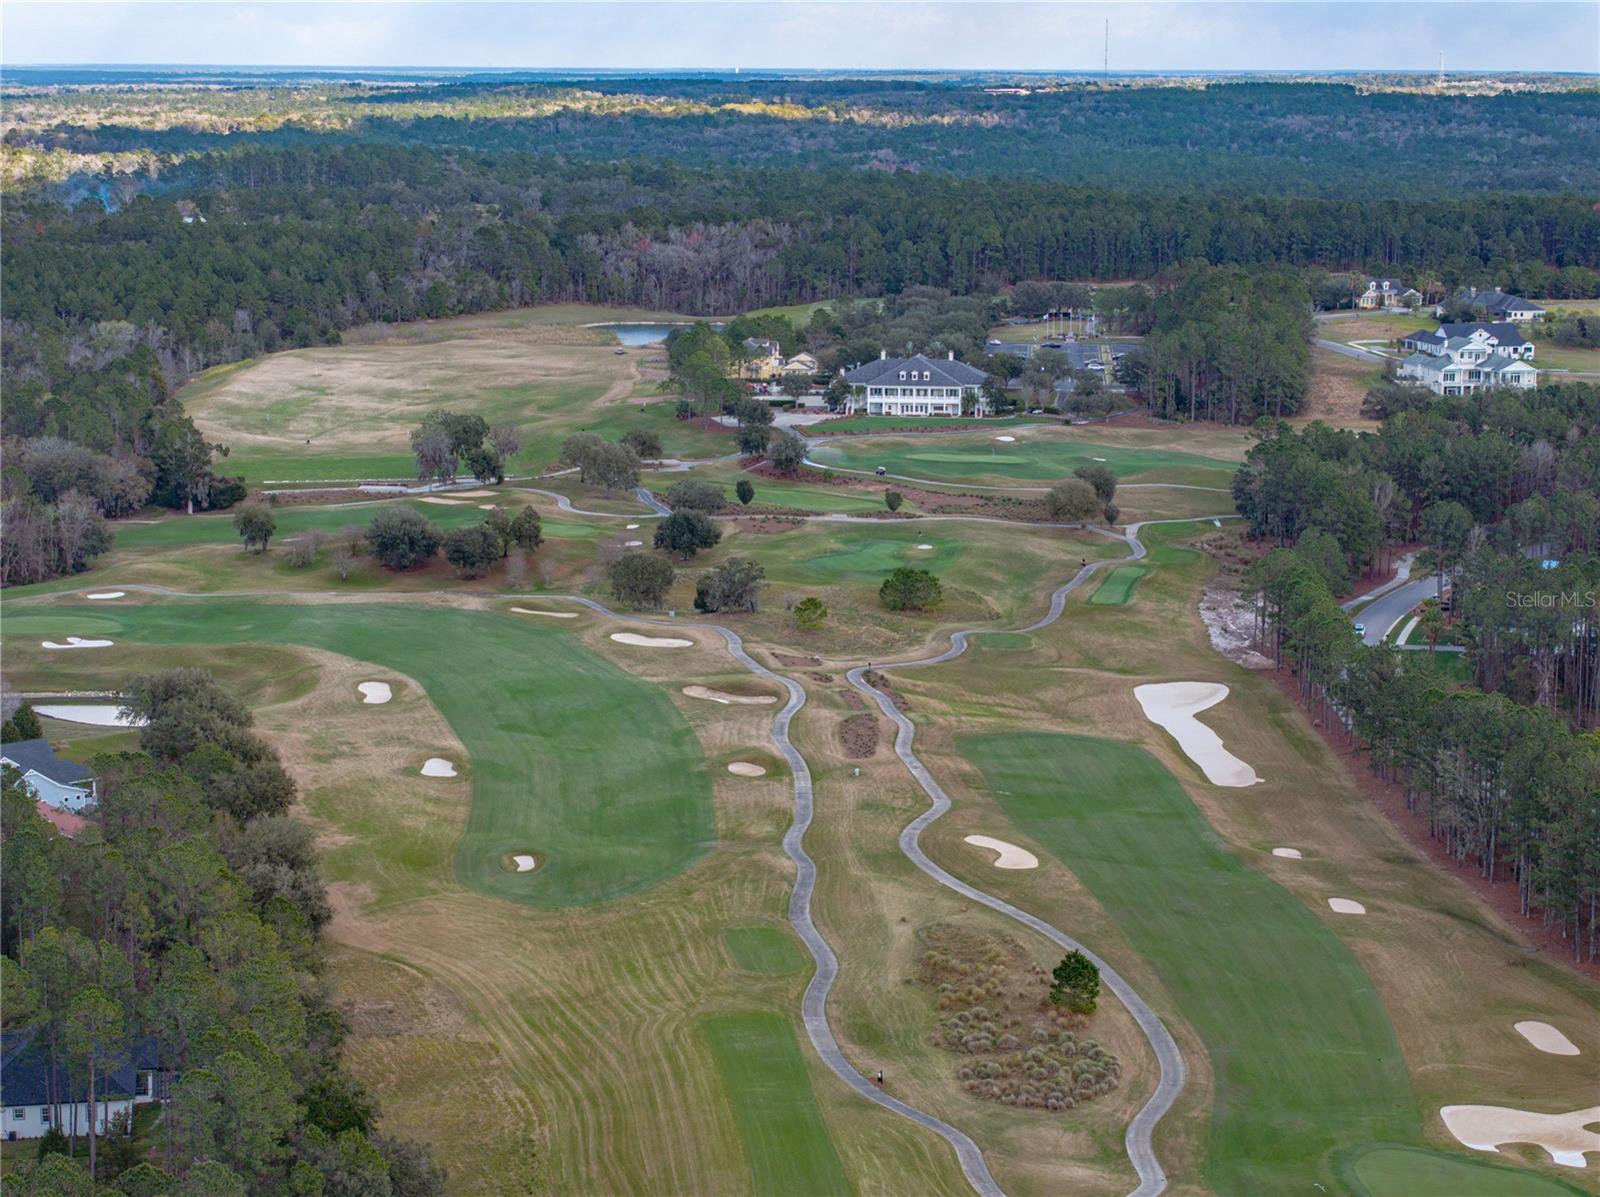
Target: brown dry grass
[(1338, 384)]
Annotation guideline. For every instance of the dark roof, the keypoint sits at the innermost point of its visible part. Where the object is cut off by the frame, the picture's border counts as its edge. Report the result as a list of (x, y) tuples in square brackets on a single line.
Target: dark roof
[(1421, 337), (945, 372), (36, 756), (1504, 333), (1495, 302), (25, 1069)]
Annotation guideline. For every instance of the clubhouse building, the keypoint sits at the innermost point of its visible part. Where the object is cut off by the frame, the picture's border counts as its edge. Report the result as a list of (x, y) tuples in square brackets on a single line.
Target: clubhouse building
[(916, 386)]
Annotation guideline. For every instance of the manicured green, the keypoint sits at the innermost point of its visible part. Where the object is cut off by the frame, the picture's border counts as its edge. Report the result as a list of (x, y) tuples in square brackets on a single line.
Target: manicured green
[(1417, 1172), (557, 763), (1117, 586), (1304, 1058), (765, 950), (781, 492), (258, 468), (1030, 459), (888, 425), (786, 1142)]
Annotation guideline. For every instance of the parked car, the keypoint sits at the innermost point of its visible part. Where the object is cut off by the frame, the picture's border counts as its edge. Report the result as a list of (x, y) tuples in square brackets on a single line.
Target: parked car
[(1361, 630)]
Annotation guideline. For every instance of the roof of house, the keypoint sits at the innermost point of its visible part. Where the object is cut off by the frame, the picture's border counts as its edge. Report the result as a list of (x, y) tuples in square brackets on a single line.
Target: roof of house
[(764, 344), (1499, 362), (1496, 301), (1423, 337), (1430, 361), (25, 1071), (943, 371), (36, 756), (1388, 284), (1502, 331)]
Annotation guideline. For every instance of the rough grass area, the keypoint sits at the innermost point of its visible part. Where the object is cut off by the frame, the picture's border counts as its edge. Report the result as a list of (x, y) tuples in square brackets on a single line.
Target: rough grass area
[(1415, 1172), (526, 701), (1117, 587), (1304, 1059), (786, 1143), (1338, 385), (764, 950)]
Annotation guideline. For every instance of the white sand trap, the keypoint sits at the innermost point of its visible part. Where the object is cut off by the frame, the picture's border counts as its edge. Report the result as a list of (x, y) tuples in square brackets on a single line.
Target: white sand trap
[(488, 506), (1547, 1038), (443, 502), (1006, 439), (924, 546), (1346, 906), (437, 766), (546, 614), (746, 769), (1287, 853), (77, 642), (473, 494), (1011, 856), (1097, 459), (108, 594), (630, 527), (1173, 706), (632, 544), (524, 862), (651, 641), (1564, 1136), (373, 693), (96, 714), (722, 696)]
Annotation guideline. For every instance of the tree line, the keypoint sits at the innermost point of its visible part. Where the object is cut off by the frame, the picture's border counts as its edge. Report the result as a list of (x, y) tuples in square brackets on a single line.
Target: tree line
[(183, 926)]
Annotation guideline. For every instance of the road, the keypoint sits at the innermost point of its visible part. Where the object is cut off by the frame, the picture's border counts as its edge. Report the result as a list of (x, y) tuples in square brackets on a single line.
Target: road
[(1361, 355), (1383, 612)]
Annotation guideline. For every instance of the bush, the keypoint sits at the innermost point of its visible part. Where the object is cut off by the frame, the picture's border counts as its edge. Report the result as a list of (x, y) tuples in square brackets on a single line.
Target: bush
[(401, 538), (810, 613), (908, 589), (303, 552), (787, 452), (1100, 477), (471, 550), (691, 494), (732, 586), (641, 580), (1073, 501), (746, 491), (686, 533), (892, 499), (645, 444)]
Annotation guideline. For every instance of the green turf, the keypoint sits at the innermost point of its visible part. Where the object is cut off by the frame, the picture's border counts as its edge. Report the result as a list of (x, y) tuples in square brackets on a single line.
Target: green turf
[(550, 728), (1304, 1058), (786, 1142), (1029, 460), (765, 950), (1416, 1172), (777, 492), (1117, 587), (888, 425)]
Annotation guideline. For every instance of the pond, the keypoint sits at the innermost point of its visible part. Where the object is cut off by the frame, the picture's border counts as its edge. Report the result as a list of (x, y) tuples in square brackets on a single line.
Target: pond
[(643, 334)]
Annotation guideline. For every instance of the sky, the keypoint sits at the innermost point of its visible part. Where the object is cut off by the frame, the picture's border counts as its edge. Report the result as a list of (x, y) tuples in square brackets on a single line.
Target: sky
[(1516, 35)]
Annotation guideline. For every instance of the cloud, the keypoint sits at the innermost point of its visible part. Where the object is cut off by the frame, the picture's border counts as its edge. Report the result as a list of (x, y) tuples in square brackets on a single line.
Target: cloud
[(1314, 35)]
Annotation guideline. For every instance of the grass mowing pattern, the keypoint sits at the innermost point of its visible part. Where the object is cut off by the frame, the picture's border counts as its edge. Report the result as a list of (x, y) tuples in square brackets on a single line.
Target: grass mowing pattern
[(1117, 587), (785, 1139), (1415, 1172), (764, 950), (1031, 459), (559, 764), (292, 520), (1304, 1057)]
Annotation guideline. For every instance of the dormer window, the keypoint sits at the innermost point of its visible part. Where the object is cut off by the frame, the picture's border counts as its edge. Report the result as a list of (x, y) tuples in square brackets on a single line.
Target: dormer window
[(902, 376), (927, 376)]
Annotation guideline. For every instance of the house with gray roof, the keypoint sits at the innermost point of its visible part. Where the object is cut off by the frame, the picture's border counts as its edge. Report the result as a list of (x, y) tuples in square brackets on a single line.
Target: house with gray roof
[(916, 386), (65, 785), (33, 1102), (1497, 305), (1387, 293), (1503, 336)]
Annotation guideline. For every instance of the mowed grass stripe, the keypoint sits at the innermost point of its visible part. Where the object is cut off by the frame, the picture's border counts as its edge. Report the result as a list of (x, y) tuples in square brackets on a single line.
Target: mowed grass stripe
[(1416, 1172), (561, 764), (785, 1139), (1304, 1058), (763, 950), (1117, 586), (1029, 460)]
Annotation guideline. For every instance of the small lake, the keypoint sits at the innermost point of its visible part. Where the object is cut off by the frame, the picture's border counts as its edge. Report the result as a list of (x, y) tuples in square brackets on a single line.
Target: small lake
[(643, 334)]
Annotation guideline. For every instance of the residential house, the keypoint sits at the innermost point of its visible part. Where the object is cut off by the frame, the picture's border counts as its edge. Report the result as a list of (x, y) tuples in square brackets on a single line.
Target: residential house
[(763, 358), (916, 386), (1383, 293), (1465, 365), (1497, 305), (27, 1092), (1504, 337), (65, 785), (801, 363)]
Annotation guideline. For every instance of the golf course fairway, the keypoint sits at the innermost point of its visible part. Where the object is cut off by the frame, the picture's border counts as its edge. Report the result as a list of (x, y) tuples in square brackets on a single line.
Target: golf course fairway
[(1304, 1059), (608, 809), (1416, 1172)]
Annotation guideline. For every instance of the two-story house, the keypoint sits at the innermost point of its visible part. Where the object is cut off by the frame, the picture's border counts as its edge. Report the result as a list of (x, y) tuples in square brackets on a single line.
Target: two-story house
[(916, 386), (1503, 337), (1467, 364), (763, 358), (1383, 293)]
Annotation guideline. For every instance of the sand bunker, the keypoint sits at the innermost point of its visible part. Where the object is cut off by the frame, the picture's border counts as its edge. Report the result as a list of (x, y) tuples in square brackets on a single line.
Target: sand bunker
[(524, 862), (632, 544), (1173, 706), (472, 494), (77, 642), (1097, 459), (488, 506), (1007, 439), (1346, 906), (924, 546), (746, 769), (1485, 1128), (437, 766), (547, 614), (1547, 1038), (102, 714), (443, 502), (108, 594), (1010, 856), (373, 693), (651, 641), (722, 696), (630, 527), (1289, 853)]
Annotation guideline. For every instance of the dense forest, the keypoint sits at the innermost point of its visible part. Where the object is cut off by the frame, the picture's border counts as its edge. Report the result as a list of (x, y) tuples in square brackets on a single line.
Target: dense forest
[(180, 930), (1239, 138), (1502, 493)]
